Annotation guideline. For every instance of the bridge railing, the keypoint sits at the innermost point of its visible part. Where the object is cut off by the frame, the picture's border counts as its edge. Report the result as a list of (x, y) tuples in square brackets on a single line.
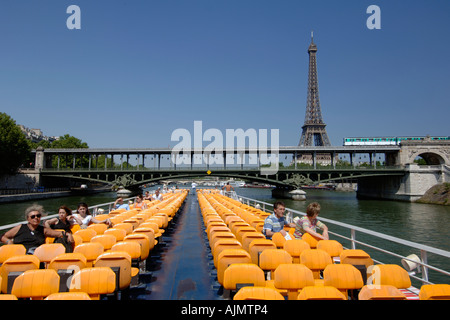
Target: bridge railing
[(365, 235)]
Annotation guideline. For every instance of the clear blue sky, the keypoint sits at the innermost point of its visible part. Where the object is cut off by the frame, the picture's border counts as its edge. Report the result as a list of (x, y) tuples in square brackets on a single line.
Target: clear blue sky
[(137, 70)]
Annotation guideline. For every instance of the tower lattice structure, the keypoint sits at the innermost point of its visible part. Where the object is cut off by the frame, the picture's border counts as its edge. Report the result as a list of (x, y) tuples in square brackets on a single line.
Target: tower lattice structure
[(313, 130)]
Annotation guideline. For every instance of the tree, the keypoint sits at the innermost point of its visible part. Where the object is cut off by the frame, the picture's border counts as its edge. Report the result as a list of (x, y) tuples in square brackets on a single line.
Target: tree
[(14, 148), (69, 142)]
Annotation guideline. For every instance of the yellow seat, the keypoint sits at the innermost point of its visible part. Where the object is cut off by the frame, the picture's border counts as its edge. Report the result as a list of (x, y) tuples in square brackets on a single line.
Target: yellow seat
[(153, 226), (120, 234), (36, 284), (312, 241), (333, 247), (258, 293), (68, 261), (257, 246), (292, 277), (8, 297), (343, 277), (238, 275), (216, 229), (9, 250), (278, 239), (99, 228), (222, 245), (120, 260), (391, 274), (68, 296), (435, 292), (295, 248), (19, 263), (46, 252), (248, 238), (106, 240), (356, 257), (316, 260), (320, 293), (380, 292), (94, 281), (86, 234), (134, 222), (221, 236), (145, 242), (90, 250), (228, 257), (133, 248), (240, 232), (270, 259)]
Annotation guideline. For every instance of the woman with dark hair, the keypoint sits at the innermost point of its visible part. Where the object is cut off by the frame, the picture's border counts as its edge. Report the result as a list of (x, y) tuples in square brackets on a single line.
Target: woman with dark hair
[(84, 218), (64, 221), (32, 234)]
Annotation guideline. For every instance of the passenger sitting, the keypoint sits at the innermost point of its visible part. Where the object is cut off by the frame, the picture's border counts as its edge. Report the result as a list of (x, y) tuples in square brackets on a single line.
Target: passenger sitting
[(118, 204), (276, 221), (140, 204), (32, 234), (83, 217), (309, 223), (63, 222), (157, 195)]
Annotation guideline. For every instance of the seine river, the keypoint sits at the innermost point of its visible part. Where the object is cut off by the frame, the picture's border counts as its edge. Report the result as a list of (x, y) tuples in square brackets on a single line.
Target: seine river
[(421, 223)]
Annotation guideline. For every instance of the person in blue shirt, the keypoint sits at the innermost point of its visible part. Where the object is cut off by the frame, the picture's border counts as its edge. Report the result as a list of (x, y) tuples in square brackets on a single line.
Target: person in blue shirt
[(276, 221), (118, 204)]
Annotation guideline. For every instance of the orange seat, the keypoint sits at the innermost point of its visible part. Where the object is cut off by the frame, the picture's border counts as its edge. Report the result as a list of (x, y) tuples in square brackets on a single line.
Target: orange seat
[(133, 248), (128, 227), (258, 293), (344, 277), (9, 250), (36, 284), (99, 228), (68, 296), (295, 248), (90, 250), (391, 274), (278, 239), (94, 281), (320, 293), (312, 241), (247, 239), (355, 257), (270, 259), (240, 232), (238, 275), (145, 243), (380, 292), (106, 240), (292, 277), (120, 234), (19, 263), (221, 236), (316, 260), (257, 246), (222, 245), (86, 234), (66, 261), (120, 260), (46, 252), (435, 292), (228, 257), (333, 247)]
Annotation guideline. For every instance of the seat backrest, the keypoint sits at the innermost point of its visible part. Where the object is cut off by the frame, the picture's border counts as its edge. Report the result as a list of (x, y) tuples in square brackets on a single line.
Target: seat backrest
[(118, 233), (356, 257), (391, 274), (222, 245), (312, 241), (128, 227), (121, 260), (343, 277), (320, 293), (270, 259), (228, 257), (243, 230), (144, 241), (239, 274), (9, 250), (248, 237), (292, 277), (295, 247), (99, 228), (94, 281), (278, 239), (19, 263), (86, 234), (315, 259), (66, 261), (435, 292), (46, 252), (333, 247), (380, 292), (90, 250), (221, 236), (258, 293), (68, 296), (36, 284), (106, 240), (257, 246), (133, 248)]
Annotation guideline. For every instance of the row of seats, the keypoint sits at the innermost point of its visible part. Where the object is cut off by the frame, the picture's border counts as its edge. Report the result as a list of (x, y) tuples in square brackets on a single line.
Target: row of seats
[(104, 260), (285, 268)]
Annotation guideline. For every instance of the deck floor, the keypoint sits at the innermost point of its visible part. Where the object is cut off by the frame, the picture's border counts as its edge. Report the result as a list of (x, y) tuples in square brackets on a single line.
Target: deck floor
[(181, 267)]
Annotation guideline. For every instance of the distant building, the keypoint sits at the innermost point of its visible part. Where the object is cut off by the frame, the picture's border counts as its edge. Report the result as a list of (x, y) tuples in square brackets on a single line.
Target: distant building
[(36, 135)]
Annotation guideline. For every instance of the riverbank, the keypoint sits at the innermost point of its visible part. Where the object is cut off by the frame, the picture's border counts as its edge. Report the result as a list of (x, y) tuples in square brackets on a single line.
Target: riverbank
[(438, 194), (33, 196)]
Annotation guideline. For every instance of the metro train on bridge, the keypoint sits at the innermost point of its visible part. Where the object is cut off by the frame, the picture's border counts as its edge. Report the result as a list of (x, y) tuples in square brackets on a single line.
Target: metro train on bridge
[(382, 141)]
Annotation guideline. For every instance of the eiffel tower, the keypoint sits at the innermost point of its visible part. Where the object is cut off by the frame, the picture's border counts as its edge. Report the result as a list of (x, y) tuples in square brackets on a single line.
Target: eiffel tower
[(313, 130)]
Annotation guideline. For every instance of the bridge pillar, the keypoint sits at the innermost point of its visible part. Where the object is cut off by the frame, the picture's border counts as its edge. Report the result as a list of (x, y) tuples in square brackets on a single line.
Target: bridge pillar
[(410, 187)]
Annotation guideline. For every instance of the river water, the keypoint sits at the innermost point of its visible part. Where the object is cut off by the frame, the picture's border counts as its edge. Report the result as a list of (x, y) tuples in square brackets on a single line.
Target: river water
[(422, 223)]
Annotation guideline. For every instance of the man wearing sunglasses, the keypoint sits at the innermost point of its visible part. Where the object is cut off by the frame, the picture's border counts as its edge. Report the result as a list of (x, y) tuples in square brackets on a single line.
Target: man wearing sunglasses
[(32, 234)]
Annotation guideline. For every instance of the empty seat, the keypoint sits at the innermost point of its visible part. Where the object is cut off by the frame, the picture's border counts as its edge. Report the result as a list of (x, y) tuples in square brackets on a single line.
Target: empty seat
[(240, 275), (278, 239), (86, 234), (120, 262), (144, 241), (133, 248), (320, 293), (94, 281), (391, 274), (292, 277), (46, 252), (228, 257), (258, 293), (36, 284), (99, 228), (435, 292), (120, 234), (312, 241), (221, 236), (380, 292), (106, 240), (68, 296), (257, 246), (224, 244), (128, 227), (9, 250), (356, 257), (16, 264), (316, 260), (66, 261), (333, 247), (344, 277), (248, 238), (240, 232), (90, 250), (295, 248), (270, 259)]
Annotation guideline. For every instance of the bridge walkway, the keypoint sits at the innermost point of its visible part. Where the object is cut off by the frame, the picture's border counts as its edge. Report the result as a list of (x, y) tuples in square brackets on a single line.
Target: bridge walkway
[(182, 267)]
